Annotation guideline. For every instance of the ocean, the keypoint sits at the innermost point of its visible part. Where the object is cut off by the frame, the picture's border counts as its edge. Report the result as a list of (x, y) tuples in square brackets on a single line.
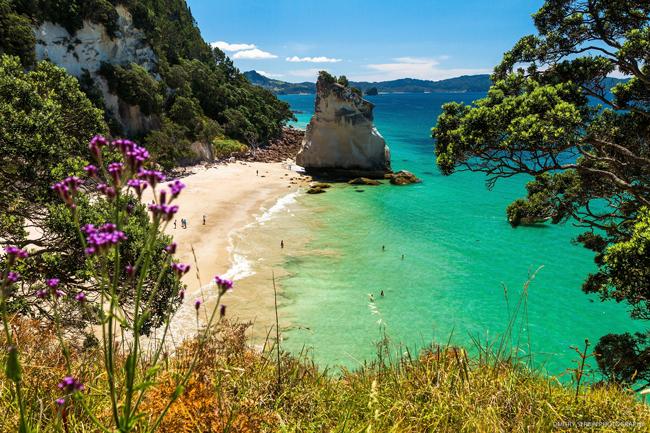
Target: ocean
[(452, 269)]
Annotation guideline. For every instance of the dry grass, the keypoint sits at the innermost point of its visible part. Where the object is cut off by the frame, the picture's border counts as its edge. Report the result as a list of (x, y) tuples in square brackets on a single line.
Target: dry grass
[(235, 389)]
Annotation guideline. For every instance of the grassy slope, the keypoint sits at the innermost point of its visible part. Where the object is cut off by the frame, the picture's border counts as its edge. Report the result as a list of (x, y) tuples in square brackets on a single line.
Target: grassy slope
[(236, 389)]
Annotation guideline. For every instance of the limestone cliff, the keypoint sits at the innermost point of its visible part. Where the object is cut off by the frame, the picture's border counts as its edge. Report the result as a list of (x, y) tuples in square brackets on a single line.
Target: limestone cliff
[(86, 49), (341, 135)]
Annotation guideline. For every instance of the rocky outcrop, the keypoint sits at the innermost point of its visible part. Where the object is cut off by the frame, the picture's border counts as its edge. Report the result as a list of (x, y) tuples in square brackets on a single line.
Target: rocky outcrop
[(277, 150), (85, 50), (363, 181), (402, 177), (341, 136)]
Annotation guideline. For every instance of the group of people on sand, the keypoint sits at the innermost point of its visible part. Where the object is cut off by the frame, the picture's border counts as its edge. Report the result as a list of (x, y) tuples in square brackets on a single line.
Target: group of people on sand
[(184, 222)]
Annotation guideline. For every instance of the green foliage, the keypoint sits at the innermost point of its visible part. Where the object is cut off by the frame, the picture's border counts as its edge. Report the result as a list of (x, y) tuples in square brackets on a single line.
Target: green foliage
[(169, 144), (590, 164), (134, 85), (71, 13), (224, 147), (16, 36), (343, 81), (189, 73)]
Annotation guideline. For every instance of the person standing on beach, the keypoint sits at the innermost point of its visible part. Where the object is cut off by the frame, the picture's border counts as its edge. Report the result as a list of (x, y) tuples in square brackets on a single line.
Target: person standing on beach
[(282, 243), (174, 224), (203, 219)]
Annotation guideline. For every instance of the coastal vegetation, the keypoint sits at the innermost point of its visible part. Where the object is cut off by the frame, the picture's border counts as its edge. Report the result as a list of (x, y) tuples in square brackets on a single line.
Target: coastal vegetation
[(194, 91), (90, 281), (590, 163)]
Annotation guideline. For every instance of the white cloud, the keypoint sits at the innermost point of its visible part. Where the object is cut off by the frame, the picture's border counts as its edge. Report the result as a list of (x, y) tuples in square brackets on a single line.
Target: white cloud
[(415, 67), (311, 73), (269, 74), (321, 59), (253, 54), (225, 46)]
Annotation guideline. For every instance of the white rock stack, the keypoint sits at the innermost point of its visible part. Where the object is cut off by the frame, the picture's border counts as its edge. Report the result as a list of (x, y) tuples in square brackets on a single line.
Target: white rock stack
[(341, 135)]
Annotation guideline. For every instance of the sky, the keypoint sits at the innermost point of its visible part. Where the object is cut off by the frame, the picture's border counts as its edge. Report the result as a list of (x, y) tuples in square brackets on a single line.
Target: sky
[(291, 40)]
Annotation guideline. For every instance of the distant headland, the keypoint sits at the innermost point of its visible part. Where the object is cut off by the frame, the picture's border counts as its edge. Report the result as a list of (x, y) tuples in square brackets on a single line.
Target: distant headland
[(465, 83)]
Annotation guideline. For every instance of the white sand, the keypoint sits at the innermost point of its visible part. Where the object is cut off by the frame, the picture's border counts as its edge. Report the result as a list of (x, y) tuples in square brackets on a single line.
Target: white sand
[(230, 196)]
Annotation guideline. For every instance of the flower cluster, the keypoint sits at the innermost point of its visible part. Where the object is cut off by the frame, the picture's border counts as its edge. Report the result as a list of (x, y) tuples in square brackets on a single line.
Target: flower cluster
[(163, 211), (67, 189), (153, 177), (70, 385), (14, 253), (180, 269), (52, 284), (223, 284), (100, 239)]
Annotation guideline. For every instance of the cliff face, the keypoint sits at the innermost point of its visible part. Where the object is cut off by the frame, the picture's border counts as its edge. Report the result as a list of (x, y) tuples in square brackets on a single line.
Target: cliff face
[(341, 135), (86, 49)]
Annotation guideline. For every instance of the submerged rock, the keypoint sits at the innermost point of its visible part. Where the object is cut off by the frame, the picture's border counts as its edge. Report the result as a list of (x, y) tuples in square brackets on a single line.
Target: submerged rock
[(341, 135), (402, 177), (363, 181), (315, 190)]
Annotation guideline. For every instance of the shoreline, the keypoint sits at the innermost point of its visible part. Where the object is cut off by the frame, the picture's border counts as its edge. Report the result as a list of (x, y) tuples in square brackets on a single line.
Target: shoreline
[(234, 198)]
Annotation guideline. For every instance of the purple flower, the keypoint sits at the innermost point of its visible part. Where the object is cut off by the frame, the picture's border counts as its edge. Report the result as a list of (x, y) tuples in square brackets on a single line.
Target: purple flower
[(100, 239), (135, 157), (42, 293), (181, 294), (16, 252), (91, 170), (95, 146), (69, 384), (223, 284), (67, 188), (222, 310), (59, 293), (60, 401), (163, 197), (176, 187), (108, 191), (12, 277), (115, 169), (163, 211), (123, 145), (180, 268), (152, 176), (171, 248), (197, 304), (80, 297), (130, 270), (52, 283), (137, 185)]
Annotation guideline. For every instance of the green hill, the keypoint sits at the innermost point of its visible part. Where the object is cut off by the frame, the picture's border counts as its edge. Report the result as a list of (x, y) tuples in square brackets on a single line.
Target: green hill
[(466, 83), (184, 92)]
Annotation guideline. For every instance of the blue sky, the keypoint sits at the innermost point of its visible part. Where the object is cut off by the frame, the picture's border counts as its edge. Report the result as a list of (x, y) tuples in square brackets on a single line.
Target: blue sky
[(365, 40)]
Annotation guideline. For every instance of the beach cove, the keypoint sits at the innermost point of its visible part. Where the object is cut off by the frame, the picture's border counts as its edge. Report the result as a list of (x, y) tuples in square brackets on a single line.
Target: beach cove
[(451, 267)]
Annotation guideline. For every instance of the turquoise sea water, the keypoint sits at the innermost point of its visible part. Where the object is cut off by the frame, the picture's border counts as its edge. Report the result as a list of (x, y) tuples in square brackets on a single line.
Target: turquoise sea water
[(459, 255)]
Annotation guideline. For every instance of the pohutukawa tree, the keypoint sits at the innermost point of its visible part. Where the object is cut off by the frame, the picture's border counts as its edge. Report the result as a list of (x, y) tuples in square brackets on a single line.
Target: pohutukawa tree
[(553, 114)]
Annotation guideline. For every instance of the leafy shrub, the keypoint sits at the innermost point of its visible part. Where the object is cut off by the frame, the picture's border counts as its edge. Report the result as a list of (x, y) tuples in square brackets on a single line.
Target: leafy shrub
[(134, 85), (224, 147)]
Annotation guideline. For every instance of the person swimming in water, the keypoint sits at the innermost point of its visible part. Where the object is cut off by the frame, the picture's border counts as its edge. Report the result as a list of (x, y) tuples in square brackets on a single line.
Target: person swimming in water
[(382, 293)]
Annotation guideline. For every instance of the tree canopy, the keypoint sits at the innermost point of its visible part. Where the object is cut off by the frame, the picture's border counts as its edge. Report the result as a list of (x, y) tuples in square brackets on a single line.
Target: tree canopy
[(550, 114)]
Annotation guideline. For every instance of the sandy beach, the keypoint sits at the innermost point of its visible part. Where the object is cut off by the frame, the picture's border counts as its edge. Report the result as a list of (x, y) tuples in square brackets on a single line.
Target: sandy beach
[(231, 197)]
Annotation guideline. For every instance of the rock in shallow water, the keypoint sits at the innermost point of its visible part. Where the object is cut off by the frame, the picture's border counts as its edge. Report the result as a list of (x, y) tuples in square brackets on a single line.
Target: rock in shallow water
[(341, 135), (402, 177), (363, 181)]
